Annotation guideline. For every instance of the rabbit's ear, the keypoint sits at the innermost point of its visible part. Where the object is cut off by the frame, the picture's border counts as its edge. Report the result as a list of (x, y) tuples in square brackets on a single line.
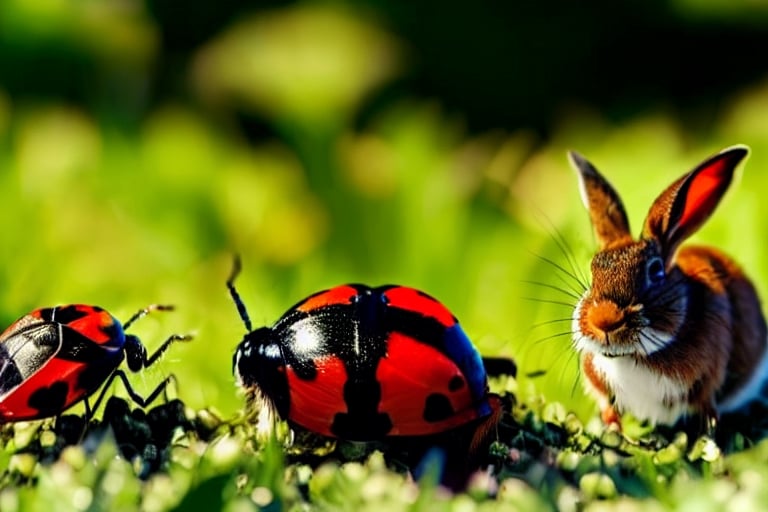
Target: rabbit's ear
[(609, 219), (684, 206)]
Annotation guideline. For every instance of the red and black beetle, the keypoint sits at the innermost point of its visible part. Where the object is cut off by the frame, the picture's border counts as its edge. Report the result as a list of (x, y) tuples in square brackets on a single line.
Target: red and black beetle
[(52, 358), (364, 364)]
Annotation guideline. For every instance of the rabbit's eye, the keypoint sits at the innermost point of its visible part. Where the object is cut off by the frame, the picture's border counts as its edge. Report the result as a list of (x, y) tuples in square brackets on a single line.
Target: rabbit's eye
[(655, 270)]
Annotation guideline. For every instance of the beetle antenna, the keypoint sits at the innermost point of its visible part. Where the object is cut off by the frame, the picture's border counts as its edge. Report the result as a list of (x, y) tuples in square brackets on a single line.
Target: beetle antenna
[(236, 267), (144, 312)]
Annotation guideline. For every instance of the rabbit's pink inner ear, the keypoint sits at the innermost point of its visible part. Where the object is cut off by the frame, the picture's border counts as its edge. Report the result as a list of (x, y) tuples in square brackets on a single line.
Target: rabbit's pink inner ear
[(704, 194), (686, 204)]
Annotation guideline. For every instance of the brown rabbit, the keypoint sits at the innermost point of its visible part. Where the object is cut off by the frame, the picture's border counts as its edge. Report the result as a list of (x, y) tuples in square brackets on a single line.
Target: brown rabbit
[(665, 333)]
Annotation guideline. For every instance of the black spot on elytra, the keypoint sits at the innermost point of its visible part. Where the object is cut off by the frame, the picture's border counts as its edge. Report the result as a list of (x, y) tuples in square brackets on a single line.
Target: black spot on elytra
[(414, 325), (456, 383), (92, 376), (437, 408), (76, 347), (49, 401), (363, 422), (305, 369), (67, 314), (46, 314), (110, 330)]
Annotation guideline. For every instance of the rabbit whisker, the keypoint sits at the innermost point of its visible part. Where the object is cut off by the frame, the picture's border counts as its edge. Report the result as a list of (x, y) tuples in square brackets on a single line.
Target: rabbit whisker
[(569, 293), (578, 291), (563, 271), (549, 301), (552, 321), (552, 337), (577, 272)]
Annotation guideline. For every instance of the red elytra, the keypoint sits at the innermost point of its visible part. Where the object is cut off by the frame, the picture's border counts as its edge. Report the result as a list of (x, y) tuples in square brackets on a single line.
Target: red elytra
[(407, 383), (410, 299), (334, 296), (312, 402)]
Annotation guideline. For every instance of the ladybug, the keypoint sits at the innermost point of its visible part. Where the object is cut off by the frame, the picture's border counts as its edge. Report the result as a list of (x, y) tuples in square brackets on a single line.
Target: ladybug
[(362, 364), (52, 358)]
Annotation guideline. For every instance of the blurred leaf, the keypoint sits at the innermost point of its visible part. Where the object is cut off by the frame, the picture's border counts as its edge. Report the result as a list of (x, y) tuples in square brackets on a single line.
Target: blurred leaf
[(105, 29), (307, 64)]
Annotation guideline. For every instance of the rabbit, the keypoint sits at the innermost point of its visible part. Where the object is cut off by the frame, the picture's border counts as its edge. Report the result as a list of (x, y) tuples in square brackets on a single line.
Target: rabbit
[(667, 333)]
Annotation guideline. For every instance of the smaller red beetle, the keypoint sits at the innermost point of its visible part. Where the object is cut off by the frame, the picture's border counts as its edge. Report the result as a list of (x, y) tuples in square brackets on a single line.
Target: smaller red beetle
[(52, 358), (362, 364)]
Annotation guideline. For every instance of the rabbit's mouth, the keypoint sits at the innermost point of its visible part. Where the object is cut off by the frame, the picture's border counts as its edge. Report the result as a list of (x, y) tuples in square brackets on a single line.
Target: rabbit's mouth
[(639, 343), (609, 347), (630, 336)]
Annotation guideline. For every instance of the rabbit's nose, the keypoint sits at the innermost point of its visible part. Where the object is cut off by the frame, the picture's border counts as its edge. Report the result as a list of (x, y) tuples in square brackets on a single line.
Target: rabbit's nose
[(605, 316)]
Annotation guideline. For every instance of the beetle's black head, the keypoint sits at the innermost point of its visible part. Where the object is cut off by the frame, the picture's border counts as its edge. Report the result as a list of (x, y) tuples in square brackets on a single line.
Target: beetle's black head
[(259, 364), (251, 355)]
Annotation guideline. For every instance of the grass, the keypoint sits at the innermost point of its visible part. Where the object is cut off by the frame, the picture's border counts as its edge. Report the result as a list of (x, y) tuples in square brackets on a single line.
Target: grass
[(543, 458)]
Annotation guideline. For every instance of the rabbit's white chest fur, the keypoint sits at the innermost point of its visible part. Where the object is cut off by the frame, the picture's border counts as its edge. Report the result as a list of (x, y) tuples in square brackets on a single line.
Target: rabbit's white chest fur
[(640, 391)]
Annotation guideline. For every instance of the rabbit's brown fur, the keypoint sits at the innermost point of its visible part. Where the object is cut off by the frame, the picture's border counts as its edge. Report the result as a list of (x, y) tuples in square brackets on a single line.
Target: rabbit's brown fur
[(664, 333)]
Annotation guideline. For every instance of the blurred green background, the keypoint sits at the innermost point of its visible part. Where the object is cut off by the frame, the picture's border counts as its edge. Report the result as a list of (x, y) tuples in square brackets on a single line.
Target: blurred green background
[(377, 141)]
